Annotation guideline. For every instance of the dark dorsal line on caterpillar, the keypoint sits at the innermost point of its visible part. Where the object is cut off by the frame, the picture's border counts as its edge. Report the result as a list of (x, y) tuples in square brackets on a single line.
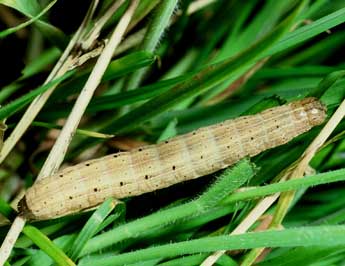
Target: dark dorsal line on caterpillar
[(184, 157)]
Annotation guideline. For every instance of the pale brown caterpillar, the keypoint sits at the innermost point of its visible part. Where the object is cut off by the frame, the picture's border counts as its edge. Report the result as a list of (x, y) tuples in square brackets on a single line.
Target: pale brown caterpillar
[(184, 157)]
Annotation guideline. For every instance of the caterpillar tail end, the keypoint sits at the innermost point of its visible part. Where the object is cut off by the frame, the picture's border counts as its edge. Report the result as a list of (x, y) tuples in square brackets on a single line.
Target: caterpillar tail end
[(24, 210)]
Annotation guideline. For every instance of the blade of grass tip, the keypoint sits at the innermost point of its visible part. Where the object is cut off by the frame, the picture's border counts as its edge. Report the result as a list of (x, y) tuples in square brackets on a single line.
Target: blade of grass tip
[(207, 78), (60, 68), (9, 31), (91, 227), (229, 181), (304, 236), (119, 214), (154, 33), (45, 244)]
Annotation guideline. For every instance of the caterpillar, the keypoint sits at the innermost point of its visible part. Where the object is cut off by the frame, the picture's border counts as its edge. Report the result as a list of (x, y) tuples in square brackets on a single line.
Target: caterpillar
[(181, 158)]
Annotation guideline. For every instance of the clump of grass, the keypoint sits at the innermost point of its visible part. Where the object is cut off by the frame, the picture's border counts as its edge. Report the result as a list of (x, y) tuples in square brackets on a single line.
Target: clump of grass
[(175, 66)]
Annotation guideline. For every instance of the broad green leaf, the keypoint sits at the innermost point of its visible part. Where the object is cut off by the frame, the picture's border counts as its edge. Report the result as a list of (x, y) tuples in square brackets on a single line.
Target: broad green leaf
[(9, 31), (27, 7), (31, 8)]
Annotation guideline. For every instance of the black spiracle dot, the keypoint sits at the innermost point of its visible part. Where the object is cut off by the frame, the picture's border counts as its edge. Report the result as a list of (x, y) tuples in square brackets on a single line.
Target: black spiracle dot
[(95, 189), (70, 197), (140, 149), (166, 141), (121, 183), (87, 164), (251, 138), (115, 155), (174, 167), (146, 177), (61, 175)]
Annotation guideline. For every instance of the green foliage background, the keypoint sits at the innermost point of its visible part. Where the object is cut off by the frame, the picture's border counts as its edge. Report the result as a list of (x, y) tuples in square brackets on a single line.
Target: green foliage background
[(169, 81)]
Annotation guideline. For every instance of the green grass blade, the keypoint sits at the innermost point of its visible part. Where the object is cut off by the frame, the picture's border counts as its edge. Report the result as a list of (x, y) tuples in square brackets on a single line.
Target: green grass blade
[(156, 27), (90, 228), (83, 132), (306, 32), (42, 258), (327, 236), (127, 64), (45, 244), (294, 184), (6, 210)]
